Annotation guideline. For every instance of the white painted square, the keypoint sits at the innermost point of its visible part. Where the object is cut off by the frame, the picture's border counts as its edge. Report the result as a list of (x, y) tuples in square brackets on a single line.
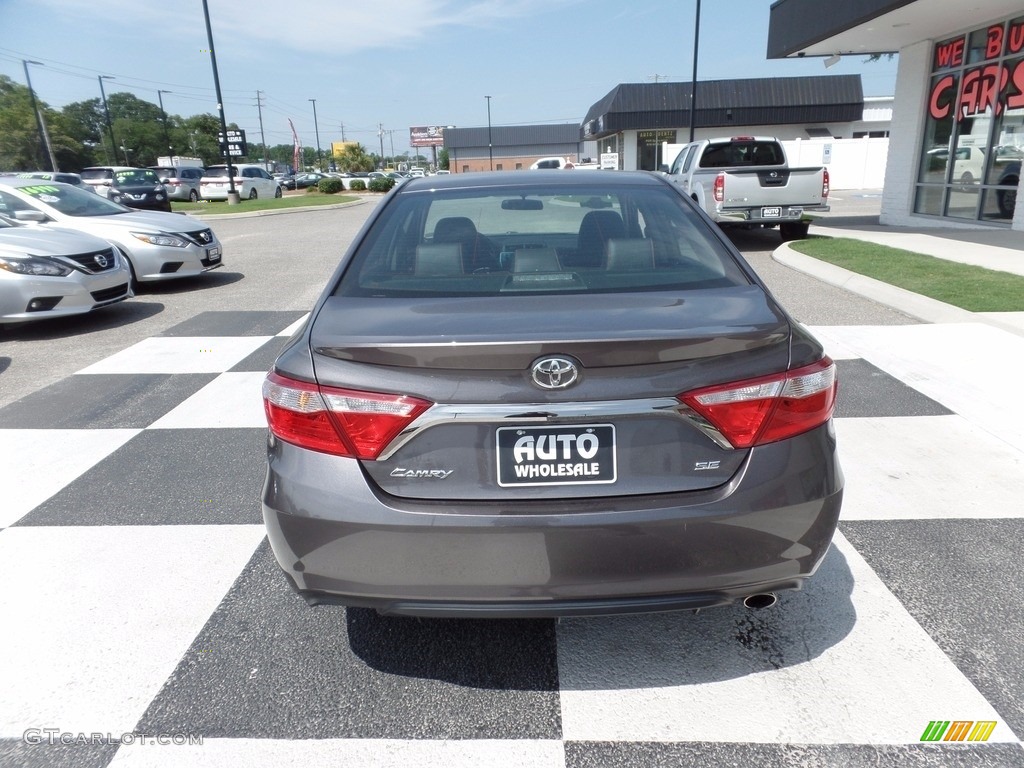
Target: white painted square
[(852, 667), (834, 347), (927, 467), (291, 329), (180, 354), (364, 753), (37, 463), (971, 368), (230, 400), (97, 618)]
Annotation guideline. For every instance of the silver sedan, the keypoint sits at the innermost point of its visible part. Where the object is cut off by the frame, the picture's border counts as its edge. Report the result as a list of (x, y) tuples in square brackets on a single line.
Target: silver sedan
[(56, 273), (158, 246)]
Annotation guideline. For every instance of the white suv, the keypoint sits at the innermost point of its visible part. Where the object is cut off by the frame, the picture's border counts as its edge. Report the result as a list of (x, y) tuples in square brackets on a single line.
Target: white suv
[(251, 182)]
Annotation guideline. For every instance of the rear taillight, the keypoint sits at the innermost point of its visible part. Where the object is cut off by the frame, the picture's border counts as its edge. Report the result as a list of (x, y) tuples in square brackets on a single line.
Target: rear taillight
[(719, 190), (824, 184), (332, 420), (769, 408)]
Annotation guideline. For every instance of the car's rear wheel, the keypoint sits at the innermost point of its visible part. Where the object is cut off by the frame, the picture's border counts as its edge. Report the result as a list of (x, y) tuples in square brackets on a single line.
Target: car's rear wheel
[(193, 196), (253, 195)]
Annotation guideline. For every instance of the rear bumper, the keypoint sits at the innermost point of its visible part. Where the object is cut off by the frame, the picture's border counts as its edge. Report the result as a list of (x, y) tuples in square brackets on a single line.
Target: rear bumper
[(787, 213), (339, 542)]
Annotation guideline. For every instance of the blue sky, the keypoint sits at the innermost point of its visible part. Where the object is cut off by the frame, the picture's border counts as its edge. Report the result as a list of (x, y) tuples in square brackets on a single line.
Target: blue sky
[(396, 63)]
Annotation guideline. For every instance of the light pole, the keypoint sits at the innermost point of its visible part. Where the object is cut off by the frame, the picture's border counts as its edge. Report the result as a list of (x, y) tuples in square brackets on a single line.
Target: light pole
[(693, 80), (112, 154), (316, 128), (490, 145), (167, 136), (44, 137), (233, 197)]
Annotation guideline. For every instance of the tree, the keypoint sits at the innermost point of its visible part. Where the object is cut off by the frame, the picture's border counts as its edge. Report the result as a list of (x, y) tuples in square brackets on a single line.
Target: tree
[(353, 159), (442, 159), (19, 136)]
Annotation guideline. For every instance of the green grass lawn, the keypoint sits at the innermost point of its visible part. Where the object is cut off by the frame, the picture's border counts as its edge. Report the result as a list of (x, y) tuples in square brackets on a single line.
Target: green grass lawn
[(975, 289), (270, 204)]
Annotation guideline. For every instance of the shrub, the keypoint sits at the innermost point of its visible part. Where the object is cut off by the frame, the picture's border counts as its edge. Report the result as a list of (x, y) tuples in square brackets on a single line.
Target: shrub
[(357, 185), (331, 186), (381, 184)]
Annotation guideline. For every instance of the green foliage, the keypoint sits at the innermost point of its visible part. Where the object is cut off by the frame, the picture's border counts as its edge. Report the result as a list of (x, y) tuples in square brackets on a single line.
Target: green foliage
[(331, 186), (357, 185), (972, 288), (353, 159), (381, 184)]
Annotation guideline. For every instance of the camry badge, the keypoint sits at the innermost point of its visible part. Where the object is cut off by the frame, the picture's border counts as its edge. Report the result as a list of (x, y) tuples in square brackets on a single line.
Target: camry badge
[(554, 373)]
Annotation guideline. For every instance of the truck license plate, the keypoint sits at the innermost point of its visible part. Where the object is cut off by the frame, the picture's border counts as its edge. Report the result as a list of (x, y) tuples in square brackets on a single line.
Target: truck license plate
[(771, 213)]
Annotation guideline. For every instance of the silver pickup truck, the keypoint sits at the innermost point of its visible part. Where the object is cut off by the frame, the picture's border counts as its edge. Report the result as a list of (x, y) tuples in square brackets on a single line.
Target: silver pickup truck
[(746, 181)]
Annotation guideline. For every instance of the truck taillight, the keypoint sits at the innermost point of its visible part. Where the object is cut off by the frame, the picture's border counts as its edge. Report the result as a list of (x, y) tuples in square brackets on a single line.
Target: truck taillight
[(824, 184), (719, 191)]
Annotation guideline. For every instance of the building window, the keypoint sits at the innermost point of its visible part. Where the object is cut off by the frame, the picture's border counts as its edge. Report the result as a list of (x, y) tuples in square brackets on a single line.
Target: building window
[(974, 131), (498, 167)]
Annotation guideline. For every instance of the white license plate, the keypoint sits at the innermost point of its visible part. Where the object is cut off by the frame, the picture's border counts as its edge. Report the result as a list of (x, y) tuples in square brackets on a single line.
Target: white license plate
[(771, 213), (563, 455)]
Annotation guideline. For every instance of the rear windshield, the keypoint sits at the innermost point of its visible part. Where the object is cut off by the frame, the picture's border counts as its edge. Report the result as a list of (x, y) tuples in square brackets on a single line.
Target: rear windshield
[(219, 172), (97, 174), (506, 241), (741, 153)]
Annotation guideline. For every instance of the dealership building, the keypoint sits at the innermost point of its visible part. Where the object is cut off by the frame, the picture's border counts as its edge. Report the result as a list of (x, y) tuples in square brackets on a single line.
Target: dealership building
[(957, 134), (948, 145)]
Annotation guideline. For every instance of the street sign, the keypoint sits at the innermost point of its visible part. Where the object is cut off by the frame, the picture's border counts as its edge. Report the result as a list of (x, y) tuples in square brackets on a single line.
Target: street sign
[(235, 145)]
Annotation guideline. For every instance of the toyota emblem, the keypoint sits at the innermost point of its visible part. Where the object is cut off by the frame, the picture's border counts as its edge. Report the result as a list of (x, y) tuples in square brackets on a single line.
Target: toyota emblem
[(101, 260), (554, 373)]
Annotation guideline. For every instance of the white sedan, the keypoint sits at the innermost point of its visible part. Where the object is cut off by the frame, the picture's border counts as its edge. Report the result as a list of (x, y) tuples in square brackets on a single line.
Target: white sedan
[(55, 273)]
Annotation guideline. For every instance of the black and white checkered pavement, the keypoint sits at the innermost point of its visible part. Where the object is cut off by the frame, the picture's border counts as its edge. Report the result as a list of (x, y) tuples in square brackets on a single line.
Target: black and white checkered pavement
[(140, 601)]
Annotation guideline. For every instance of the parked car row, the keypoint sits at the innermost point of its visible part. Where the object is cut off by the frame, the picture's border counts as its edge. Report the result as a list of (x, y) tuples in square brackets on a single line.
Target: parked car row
[(63, 244)]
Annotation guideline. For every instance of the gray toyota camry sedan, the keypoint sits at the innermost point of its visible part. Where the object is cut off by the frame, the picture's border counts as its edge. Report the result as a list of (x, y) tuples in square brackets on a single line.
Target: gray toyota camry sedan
[(548, 393)]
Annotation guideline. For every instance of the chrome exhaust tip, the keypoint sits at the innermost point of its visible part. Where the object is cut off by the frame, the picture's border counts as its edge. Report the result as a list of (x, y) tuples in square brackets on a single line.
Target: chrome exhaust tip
[(760, 601)]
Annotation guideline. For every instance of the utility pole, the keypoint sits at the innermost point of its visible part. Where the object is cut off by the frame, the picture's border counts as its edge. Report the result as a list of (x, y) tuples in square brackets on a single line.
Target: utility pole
[(233, 196), (693, 80), (112, 155), (316, 127), (167, 135), (263, 138), (380, 135), (490, 144), (44, 137)]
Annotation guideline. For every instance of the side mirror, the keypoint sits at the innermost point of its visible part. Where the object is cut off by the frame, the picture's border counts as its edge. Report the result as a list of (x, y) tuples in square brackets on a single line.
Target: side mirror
[(36, 216)]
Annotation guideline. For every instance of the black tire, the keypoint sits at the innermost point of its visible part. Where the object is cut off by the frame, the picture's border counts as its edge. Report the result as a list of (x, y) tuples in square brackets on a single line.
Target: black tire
[(1007, 199), (193, 196), (278, 193), (253, 195), (133, 281), (793, 230)]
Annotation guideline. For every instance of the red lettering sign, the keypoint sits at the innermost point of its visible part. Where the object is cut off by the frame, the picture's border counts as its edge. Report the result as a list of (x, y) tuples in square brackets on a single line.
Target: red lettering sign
[(940, 102), (1015, 39), (980, 90), (994, 44), (1016, 100), (949, 54)]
